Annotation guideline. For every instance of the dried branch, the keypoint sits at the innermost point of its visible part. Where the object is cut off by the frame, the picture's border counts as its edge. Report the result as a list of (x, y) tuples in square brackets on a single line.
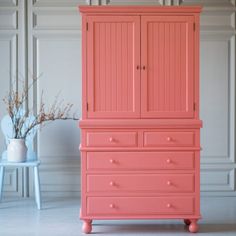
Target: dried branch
[(14, 102)]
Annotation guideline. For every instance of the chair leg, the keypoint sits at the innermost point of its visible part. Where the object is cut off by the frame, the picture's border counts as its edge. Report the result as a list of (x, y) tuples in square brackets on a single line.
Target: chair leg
[(37, 187), (2, 172)]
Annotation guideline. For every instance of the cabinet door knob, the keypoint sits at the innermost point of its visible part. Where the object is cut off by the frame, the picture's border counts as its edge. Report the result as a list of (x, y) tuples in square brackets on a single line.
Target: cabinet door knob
[(168, 182), (112, 161), (168, 205), (112, 205), (112, 183), (168, 161), (144, 67), (137, 67)]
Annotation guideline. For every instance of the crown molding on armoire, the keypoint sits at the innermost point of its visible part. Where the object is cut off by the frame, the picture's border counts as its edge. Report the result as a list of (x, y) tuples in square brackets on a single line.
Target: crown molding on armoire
[(140, 126)]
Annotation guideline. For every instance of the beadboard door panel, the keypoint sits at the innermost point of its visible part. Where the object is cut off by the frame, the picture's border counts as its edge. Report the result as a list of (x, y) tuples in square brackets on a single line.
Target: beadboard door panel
[(113, 50), (167, 66)]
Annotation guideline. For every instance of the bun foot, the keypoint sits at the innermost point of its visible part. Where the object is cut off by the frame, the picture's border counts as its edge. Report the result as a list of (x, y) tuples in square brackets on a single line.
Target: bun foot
[(187, 221), (87, 226), (193, 227)]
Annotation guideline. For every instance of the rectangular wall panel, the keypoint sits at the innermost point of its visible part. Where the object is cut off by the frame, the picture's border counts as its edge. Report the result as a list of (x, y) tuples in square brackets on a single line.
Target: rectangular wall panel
[(58, 142)]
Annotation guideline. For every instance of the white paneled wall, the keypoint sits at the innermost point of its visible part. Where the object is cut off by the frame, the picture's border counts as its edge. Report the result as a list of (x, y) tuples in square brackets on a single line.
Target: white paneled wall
[(43, 37), (54, 52)]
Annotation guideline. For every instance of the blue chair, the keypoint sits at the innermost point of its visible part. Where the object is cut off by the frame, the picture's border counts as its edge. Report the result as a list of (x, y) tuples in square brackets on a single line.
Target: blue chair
[(31, 160)]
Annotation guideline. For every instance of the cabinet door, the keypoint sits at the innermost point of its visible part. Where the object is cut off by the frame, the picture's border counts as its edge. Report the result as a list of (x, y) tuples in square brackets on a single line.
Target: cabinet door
[(168, 57), (113, 54)]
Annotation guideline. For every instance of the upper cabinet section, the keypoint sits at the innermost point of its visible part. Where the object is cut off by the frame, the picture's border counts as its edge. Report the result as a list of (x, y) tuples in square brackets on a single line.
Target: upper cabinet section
[(141, 62)]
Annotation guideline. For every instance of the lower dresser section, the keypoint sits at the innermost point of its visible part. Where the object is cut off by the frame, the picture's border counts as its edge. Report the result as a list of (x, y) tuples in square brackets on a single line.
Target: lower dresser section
[(139, 205), (149, 181)]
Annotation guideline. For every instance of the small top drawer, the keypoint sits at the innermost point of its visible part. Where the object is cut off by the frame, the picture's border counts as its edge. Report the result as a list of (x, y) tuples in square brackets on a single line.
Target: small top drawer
[(111, 139), (170, 138)]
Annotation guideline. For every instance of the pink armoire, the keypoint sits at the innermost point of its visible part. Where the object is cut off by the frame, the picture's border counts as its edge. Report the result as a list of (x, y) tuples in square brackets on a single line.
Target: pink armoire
[(140, 126)]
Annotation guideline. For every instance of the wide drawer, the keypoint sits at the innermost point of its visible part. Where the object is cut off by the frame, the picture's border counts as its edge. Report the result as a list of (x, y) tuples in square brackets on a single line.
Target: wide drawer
[(169, 138), (140, 160), (139, 205), (111, 139), (167, 183)]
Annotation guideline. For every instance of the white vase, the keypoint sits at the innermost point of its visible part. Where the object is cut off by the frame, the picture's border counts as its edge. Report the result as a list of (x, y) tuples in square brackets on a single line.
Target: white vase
[(16, 150)]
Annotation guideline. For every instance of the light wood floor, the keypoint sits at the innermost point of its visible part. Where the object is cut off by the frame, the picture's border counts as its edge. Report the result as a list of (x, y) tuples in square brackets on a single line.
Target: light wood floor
[(60, 217)]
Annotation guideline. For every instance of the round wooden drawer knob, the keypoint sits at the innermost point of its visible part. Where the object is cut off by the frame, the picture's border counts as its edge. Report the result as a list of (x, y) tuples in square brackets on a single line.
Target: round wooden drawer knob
[(112, 205), (168, 205), (168, 182), (112, 183), (112, 161), (168, 161)]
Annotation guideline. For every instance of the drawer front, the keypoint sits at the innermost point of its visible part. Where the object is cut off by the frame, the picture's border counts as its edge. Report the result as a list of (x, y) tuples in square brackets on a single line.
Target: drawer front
[(167, 183), (139, 205), (140, 160), (153, 139), (111, 139)]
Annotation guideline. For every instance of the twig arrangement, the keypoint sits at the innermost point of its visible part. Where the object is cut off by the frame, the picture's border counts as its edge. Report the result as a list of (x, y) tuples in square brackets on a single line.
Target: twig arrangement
[(22, 125)]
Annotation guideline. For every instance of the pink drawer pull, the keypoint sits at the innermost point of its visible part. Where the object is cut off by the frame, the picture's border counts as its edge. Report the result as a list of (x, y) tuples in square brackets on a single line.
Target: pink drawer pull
[(111, 139), (168, 161), (112, 183), (112, 161), (169, 183), (168, 205), (112, 205), (168, 139)]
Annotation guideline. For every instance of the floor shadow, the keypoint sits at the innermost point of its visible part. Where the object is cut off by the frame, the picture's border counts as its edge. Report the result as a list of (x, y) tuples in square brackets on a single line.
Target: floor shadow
[(214, 228), (142, 229)]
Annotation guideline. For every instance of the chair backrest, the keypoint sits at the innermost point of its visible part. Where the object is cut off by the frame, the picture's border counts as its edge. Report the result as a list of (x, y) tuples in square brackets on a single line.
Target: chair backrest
[(7, 129)]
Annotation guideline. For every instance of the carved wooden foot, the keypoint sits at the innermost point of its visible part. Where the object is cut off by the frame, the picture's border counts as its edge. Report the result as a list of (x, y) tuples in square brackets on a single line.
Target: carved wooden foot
[(87, 226), (187, 221), (193, 227)]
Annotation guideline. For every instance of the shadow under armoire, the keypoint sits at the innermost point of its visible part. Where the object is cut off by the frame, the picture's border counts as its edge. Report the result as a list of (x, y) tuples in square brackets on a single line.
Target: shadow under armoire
[(140, 127)]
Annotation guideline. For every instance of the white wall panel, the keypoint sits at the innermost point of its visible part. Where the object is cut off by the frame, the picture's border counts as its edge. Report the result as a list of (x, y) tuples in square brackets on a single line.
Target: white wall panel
[(8, 19), (215, 87), (206, 3), (55, 54), (64, 76), (8, 3), (133, 2), (59, 3), (218, 180), (51, 19)]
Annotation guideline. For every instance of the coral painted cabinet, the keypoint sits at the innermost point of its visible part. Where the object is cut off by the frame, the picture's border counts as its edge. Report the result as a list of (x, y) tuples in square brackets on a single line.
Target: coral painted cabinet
[(140, 127)]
